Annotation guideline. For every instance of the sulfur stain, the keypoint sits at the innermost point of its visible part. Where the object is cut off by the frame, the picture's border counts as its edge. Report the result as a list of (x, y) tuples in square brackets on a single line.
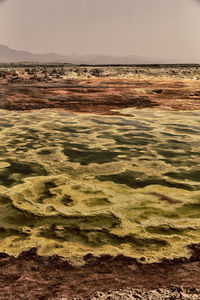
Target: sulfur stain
[(78, 184)]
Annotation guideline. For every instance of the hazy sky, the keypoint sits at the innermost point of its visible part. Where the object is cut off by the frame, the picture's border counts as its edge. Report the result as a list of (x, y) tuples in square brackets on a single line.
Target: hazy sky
[(156, 28)]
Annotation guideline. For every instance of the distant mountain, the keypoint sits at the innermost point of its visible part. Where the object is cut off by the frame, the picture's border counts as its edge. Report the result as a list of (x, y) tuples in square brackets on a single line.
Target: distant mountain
[(8, 55), (97, 59)]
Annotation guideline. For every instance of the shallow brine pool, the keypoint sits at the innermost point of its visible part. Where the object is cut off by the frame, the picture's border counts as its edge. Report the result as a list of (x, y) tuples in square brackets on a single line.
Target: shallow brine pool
[(78, 184)]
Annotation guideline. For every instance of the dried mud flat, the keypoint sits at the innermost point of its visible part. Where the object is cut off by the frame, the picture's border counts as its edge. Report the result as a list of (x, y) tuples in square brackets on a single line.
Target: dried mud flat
[(99, 89), (35, 277), (103, 91)]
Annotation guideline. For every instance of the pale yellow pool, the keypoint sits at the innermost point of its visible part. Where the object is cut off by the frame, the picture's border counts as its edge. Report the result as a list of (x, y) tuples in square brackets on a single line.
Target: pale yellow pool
[(78, 184)]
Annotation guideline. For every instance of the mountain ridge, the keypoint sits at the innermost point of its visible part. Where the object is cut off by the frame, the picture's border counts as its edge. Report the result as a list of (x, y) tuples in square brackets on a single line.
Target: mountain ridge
[(9, 55)]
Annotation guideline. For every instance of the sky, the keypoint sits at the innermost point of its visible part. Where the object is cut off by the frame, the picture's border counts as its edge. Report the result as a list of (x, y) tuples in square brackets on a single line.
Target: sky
[(153, 28)]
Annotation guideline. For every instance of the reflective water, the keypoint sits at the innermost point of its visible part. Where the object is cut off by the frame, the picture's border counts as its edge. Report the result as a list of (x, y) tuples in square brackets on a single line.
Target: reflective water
[(78, 184)]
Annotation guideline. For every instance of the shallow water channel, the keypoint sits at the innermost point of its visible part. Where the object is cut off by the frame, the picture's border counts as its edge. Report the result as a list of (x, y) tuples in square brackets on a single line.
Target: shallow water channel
[(77, 184)]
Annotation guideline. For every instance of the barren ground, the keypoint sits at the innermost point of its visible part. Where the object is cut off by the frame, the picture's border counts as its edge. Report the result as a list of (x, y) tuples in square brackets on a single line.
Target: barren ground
[(33, 277), (100, 90)]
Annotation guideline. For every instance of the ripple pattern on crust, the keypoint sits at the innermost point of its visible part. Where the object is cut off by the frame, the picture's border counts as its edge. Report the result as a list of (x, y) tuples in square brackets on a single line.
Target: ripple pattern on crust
[(76, 184)]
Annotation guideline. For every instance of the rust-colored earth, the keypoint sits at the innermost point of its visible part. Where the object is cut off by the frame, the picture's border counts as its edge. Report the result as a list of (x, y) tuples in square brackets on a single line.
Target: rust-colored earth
[(34, 277), (102, 95)]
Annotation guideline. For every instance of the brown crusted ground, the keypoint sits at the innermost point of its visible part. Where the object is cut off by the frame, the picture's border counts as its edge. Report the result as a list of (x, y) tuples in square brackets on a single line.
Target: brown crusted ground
[(34, 277), (101, 95)]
